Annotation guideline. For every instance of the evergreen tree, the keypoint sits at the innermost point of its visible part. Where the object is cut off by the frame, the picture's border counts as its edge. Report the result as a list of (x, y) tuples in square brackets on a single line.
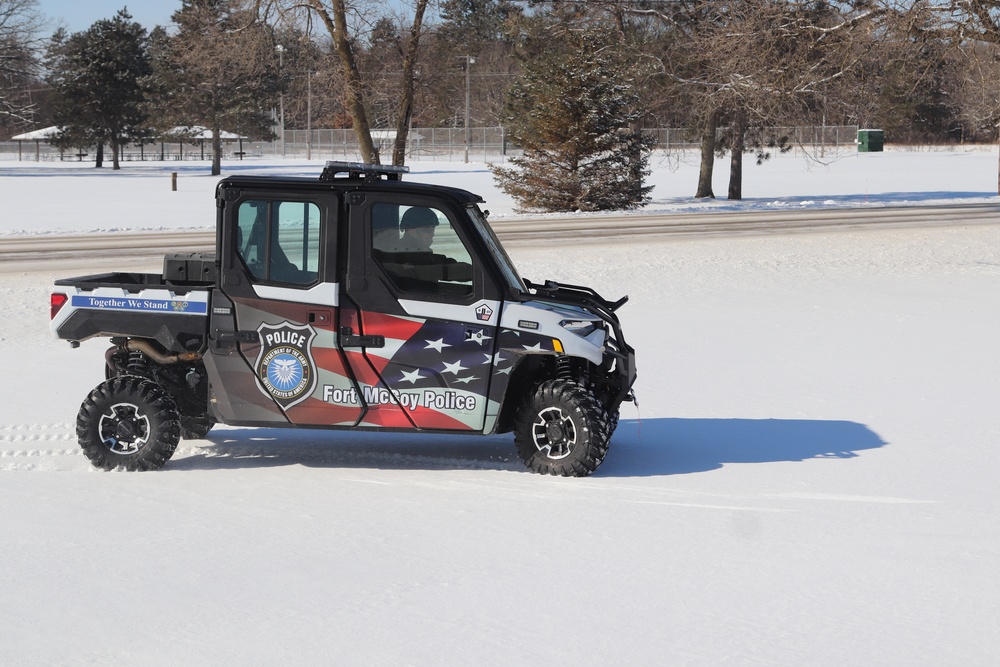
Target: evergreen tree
[(572, 111), (472, 25), (100, 76)]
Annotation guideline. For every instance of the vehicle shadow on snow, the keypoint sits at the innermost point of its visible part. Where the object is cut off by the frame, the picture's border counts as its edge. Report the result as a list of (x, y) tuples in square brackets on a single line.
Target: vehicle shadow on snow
[(684, 446), (653, 447), (226, 448)]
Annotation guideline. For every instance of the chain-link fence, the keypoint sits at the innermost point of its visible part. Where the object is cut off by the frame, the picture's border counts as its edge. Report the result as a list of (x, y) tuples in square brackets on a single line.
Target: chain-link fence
[(41, 151), (806, 136), (446, 144), (485, 144)]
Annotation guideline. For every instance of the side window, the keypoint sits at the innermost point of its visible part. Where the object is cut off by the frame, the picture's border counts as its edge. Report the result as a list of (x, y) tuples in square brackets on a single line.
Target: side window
[(279, 241), (420, 251)]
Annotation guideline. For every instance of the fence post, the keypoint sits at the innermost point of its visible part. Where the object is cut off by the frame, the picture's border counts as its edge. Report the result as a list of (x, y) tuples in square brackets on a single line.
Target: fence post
[(173, 181)]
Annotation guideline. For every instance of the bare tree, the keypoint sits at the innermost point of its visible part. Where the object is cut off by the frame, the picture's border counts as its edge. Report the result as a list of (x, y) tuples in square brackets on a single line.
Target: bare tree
[(753, 62), (410, 50), (19, 27), (973, 28), (975, 89), (307, 68), (904, 83), (333, 15), (389, 67), (216, 71)]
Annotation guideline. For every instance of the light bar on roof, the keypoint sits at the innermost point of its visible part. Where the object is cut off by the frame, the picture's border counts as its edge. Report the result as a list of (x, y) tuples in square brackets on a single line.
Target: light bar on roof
[(362, 170)]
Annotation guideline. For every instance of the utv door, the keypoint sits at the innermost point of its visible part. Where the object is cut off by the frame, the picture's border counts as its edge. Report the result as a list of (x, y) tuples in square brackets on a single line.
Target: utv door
[(274, 324), (418, 314)]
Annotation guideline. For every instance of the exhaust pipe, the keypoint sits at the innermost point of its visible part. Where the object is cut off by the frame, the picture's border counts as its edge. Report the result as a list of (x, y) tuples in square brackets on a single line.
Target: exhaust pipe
[(147, 348)]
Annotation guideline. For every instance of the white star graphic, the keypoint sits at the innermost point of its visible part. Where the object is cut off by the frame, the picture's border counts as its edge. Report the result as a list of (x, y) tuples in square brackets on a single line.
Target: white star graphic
[(465, 380), (505, 371), (488, 360), (537, 347), (438, 345), (412, 377), (454, 368), (479, 337)]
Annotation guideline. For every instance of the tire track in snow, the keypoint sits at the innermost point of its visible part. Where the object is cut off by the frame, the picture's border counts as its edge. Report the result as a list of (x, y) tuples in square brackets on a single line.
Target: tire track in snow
[(37, 453), (18, 454), (37, 432)]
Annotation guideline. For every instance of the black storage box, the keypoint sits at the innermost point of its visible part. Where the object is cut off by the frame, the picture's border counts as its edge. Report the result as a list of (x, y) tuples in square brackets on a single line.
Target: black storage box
[(189, 267)]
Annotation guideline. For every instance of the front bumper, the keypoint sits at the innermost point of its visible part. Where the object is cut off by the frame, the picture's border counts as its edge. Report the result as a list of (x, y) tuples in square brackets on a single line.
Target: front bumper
[(621, 352)]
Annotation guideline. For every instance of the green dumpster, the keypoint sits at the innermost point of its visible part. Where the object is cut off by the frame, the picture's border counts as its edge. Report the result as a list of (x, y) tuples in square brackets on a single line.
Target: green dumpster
[(870, 141)]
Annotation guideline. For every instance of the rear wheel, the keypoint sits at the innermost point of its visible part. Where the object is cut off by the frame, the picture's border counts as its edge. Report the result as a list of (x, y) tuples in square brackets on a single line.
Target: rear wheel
[(196, 427), (562, 429), (128, 422)]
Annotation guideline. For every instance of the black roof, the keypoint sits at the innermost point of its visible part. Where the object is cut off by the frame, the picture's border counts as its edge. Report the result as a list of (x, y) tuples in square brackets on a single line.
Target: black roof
[(299, 183)]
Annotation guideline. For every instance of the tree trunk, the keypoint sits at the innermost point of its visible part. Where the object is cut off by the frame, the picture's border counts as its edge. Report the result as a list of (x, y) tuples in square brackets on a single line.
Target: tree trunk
[(115, 152), (707, 155), (99, 159), (353, 89), (406, 94), (216, 151), (739, 131)]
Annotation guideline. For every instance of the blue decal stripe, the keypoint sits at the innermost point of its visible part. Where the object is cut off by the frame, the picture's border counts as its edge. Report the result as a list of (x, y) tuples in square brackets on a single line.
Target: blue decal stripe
[(176, 306)]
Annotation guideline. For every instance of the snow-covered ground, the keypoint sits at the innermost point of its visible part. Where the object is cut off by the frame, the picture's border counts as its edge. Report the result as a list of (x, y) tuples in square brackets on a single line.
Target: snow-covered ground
[(812, 480), (45, 198)]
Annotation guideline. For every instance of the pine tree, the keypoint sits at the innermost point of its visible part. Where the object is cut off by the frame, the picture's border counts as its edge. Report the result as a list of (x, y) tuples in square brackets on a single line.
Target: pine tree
[(472, 25), (572, 111), (100, 76)]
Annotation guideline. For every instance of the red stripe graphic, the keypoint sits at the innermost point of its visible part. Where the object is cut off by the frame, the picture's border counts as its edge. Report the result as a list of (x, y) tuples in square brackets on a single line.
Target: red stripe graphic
[(390, 326)]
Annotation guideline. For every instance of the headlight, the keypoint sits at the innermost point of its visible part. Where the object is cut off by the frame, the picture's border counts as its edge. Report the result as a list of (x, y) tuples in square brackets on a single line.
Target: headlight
[(582, 328)]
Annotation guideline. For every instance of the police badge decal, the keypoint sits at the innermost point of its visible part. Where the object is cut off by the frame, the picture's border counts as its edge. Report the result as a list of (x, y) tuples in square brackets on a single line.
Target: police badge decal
[(284, 364)]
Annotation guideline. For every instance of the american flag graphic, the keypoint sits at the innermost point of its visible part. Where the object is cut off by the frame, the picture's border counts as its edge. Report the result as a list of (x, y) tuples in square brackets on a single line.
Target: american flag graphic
[(439, 374)]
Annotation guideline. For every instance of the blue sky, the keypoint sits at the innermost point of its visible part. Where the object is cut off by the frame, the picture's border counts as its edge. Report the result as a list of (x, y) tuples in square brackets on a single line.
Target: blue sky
[(77, 15)]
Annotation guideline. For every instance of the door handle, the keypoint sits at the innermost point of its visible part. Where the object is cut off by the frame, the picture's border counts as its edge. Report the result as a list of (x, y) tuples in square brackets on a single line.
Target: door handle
[(349, 339), (227, 338)]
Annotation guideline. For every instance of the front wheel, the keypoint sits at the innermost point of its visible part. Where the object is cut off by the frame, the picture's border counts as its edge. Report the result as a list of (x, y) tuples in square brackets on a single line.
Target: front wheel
[(562, 429), (128, 422)]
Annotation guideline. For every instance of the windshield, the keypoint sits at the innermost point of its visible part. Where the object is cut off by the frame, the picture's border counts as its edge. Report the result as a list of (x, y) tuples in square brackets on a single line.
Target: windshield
[(512, 281)]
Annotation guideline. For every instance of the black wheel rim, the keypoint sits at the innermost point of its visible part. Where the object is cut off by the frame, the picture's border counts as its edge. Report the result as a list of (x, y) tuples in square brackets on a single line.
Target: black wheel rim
[(553, 433), (124, 429)]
